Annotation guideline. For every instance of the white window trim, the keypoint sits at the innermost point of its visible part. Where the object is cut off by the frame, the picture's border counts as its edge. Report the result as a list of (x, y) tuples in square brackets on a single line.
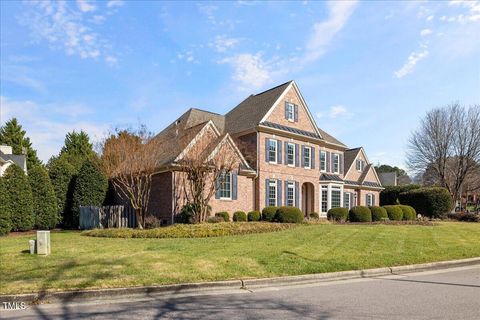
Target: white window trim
[(360, 166), (276, 151), (349, 200), (231, 188), (309, 157), (291, 185), (336, 157), (369, 200), (329, 196), (289, 144), (274, 184), (292, 106), (320, 160)]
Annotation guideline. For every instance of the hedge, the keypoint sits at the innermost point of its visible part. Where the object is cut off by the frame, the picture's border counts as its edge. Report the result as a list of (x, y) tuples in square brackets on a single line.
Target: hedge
[(254, 216), (19, 201), (394, 212), (5, 219), (390, 195), (433, 202), (360, 214), (224, 215), (268, 213), (338, 214), (314, 215), (408, 212), (239, 216), (289, 214), (467, 216), (45, 207), (378, 213)]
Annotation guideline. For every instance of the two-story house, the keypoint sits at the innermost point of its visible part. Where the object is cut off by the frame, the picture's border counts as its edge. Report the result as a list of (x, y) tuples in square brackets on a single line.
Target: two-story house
[(284, 158)]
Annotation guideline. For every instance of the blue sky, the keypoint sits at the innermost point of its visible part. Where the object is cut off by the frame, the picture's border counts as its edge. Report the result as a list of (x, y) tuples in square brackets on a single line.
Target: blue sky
[(368, 70)]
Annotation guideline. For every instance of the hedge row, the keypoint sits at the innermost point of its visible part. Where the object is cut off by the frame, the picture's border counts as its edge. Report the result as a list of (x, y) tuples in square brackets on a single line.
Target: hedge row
[(374, 213)]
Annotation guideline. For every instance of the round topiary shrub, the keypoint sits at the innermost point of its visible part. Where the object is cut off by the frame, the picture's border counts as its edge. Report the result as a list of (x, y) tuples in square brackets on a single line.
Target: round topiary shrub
[(408, 212), (224, 215), (378, 213), (254, 216), (360, 214), (314, 215), (239, 216), (394, 212), (337, 214), (289, 214), (268, 213)]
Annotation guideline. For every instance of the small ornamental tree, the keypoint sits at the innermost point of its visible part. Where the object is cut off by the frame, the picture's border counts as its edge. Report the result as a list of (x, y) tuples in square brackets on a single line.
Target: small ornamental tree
[(19, 202), (45, 208), (90, 189), (5, 219)]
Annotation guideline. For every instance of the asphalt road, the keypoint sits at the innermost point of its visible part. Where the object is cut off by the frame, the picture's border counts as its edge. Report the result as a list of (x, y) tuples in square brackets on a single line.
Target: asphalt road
[(443, 294)]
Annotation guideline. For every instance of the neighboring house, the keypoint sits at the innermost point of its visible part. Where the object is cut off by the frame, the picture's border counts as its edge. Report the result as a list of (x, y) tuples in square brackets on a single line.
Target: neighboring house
[(283, 159), (7, 159), (388, 178)]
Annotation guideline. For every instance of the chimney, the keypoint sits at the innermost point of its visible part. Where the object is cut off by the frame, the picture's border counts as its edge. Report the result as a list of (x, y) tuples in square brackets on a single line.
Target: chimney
[(5, 149)]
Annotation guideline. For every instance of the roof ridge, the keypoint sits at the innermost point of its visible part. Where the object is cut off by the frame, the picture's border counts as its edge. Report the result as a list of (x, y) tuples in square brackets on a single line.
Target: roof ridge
[(260, 93), (198, 109)]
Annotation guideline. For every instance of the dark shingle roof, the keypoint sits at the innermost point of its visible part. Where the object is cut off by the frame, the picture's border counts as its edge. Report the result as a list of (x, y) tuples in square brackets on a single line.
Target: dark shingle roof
[(329, 138), (18, 159), (350, 156), (329, 177), (290, 129), (250, 111)]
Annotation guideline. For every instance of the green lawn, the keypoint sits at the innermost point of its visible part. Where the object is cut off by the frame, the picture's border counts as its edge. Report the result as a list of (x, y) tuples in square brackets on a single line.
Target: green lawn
[(87, 262)]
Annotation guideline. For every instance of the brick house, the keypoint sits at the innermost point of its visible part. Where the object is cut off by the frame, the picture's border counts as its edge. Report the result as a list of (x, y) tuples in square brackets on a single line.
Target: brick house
[(284, 158)]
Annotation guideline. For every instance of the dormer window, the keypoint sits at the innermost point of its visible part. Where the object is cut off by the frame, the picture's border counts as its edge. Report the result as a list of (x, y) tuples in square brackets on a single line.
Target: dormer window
[(359, 165), (290, 112)]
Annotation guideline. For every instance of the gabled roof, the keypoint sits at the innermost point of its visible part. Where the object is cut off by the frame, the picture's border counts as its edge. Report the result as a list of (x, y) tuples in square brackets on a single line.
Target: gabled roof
[(251, 111), (350, 156), (331, 139), (18, 159)]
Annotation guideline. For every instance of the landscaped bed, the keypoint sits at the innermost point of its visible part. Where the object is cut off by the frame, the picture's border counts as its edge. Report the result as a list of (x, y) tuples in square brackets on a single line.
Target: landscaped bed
[(80, 262), (204, 230)]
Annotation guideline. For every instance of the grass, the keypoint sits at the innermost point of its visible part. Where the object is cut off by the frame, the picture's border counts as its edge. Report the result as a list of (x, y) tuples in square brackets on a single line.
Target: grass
[(80, 262)]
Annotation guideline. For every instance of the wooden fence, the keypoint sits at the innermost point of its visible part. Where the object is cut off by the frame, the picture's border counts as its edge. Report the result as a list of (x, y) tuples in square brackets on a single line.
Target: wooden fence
[(107, 217)]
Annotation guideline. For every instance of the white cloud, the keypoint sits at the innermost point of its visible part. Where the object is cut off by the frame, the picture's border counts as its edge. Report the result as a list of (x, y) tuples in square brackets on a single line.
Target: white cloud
[(222, 43), (111, 61), (85, 6), (430, 17), (412, 60), (187, 57), (249, 70), (325, 31), (338, 111), (22, 76), (426, 32), (115, 3)]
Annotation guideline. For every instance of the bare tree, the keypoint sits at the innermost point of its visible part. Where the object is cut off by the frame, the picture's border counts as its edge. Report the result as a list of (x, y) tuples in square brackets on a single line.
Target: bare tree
[(447, 145), (129, 160)]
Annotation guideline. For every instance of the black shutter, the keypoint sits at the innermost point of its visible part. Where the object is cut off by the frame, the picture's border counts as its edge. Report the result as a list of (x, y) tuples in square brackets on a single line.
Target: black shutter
[(279, 151), (340, 159), (266, 149), (296, 113), (286, 193), (312, 158), (327, 161), (297, 195), (279, 192), (286, 110), (267, 183), (234, 186), (296, 156), (302, 157), (286, 152), (217, 187)]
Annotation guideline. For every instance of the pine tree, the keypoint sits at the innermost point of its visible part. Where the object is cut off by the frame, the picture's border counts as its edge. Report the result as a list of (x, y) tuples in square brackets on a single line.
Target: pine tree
[(19, 202), (45, 209), (5, 219), (13, 135), (77, 148)]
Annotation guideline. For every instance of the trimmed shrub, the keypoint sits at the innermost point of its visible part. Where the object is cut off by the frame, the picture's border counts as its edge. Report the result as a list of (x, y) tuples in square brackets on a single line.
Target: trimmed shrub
[(337, 214), (5, 219), (467, 216), (289, 214), (390, 195), (152, 222), (185, 216), (215, 219), (394, 212), (19, 200), (239, 216), (433, 202), (45, 208), (90, 190), (408, 212), (224, 215), (378, 213), (360, 214), (268, 213), (254, 216), (314, 215)]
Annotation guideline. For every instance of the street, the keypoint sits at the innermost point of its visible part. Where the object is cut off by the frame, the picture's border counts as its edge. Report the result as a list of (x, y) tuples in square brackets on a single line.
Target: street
[(442, 294)]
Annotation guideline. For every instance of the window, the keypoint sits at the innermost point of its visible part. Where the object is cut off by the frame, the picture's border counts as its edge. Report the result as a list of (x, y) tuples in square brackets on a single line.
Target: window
[(369, 200), (336, 162), (290, 112), (346, 200), (336, 197), (323, 161), (324, 199), (290, 154), (272, 151), (290, 194), (359, 165), (306, 157), (226, 185), (272, 193)]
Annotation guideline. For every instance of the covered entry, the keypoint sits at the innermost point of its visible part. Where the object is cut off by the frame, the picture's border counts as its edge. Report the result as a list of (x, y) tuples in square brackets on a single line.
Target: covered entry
[(308, 198)]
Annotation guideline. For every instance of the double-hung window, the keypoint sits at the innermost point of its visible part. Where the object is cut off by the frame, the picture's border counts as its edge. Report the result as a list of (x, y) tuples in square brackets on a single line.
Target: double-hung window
[(346, 200), (336, 195), (291, 194), (226, 185), (272, 151), (324, 199), (336, 163), (291, 154), (290, 112), (307, 161), (323, 160), (359, 165), (369, 200), (272, 193)]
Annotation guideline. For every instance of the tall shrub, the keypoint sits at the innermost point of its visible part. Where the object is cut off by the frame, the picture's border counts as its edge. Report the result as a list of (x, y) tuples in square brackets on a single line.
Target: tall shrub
[(62, 175), (18, 202), (390, 195), (90, 189), (433, 202), (5, 218), (45, 208)]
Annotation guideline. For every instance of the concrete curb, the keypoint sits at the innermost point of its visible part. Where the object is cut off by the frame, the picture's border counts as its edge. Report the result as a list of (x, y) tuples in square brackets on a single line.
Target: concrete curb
[(71, 296)]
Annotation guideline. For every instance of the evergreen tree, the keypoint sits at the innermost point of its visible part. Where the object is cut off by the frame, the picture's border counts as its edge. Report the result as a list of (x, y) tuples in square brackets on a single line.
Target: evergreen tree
[(45, 209), (77, 148), (19, 202), (90, 189), (13, 135), (62, 175), (5, 219)]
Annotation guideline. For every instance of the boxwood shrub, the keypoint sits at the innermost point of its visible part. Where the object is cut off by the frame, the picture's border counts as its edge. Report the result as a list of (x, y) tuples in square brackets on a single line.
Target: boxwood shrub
[(394, 212), (268, 213), (408, 212), (289, 215), (239, 216), (224, 215), (378, 213), (254, 216), (433, 202), (360, 214), (337, 214), (314, 215)]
